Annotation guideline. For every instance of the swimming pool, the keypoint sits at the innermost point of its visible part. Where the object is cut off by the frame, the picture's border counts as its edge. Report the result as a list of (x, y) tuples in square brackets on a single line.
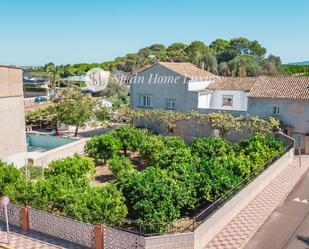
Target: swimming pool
[(42, 142)]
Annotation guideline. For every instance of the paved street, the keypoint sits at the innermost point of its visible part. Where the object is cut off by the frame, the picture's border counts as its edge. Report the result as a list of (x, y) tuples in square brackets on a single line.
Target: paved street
[(288, 225), (243, 227)]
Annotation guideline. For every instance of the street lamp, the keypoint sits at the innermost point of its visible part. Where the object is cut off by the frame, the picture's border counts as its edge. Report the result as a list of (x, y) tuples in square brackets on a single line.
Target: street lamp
[(4, 201)]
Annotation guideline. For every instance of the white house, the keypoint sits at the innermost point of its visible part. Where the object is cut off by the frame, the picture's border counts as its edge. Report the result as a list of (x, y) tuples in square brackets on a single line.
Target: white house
[(185, 87), (226, 93)]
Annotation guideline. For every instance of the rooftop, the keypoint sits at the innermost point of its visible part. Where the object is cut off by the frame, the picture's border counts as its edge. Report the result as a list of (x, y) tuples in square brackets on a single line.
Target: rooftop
[(188, 70), (233, 83), (185, 69), (13, 67), (281, 87)]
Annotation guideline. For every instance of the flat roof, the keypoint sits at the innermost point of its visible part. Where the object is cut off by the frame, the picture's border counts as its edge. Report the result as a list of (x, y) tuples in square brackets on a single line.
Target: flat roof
[(13, 67)]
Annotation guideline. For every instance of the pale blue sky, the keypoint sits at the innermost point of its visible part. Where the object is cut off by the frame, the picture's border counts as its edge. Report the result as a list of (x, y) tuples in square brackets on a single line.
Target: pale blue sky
[(35, 32)]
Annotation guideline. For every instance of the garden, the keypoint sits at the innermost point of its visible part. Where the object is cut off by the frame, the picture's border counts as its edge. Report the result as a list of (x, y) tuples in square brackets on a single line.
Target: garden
[(157, 180)]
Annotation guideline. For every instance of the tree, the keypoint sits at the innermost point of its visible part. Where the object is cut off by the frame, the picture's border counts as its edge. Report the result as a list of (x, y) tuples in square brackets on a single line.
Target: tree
[(120, 165), (53, 73), (223, 69), (196, 51), (157, 47), (175, 151), (271, 65), (211, 147), (243, 46), (150, 149), (129, 137), (103, 146), (178, 46), (74, 167), (245, 65), (219, 45), (222, 50), (211, 63), (75, 109)]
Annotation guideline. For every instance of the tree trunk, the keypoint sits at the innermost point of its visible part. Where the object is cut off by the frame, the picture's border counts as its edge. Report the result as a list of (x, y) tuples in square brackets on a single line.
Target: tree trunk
[(76, 131)]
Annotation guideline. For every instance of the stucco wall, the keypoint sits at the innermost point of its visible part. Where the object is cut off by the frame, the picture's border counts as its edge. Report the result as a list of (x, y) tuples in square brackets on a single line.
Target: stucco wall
[(214, 224), (292, 113), (44, 158), (12, 117), (239, 100), (162, 91), (175, 241)]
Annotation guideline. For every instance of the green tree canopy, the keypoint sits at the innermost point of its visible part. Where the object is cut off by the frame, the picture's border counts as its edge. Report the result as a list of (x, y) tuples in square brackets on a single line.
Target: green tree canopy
[(75, 108)]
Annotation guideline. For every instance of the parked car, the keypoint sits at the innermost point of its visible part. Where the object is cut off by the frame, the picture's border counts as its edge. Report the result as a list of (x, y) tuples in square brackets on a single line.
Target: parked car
[(40, 99)]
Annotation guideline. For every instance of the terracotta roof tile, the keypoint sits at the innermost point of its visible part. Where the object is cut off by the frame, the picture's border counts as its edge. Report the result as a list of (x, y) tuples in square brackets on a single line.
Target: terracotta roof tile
[(233, 83), (281, 87), (141, 69), (188, 70)]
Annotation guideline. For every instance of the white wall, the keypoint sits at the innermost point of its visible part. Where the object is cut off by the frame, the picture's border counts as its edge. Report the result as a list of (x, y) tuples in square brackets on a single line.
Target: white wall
[(197, 85), (12, 117), (204, 100), (240, 100)]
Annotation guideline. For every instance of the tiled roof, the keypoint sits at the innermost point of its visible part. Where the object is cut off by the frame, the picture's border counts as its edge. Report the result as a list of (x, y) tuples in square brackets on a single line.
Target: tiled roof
[(233, 83), (281, 87), (188, 70), (141, 69)]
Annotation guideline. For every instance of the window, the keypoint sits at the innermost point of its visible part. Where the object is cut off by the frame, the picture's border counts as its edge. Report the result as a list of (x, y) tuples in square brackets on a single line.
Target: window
[(145, 100), (276, 110), (170, 104), (227, 100)]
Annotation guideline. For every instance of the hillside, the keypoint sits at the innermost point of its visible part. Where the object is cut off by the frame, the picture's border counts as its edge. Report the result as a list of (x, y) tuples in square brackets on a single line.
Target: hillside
[(301, 63)]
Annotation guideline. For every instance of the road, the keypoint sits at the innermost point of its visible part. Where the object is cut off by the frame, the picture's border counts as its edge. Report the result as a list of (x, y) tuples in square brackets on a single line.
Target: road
[(288, 225)]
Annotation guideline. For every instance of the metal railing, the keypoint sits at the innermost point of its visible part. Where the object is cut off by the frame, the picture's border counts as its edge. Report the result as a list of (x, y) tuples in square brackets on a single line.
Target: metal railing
[(196, 217), (204, 212)]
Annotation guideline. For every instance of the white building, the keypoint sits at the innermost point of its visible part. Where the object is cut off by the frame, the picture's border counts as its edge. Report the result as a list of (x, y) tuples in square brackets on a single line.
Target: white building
[(12, 129), (226, 93), (185, 87)]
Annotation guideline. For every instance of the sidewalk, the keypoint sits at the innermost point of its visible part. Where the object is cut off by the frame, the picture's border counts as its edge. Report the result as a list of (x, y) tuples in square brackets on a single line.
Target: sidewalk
[(241, 229), (33, 240)]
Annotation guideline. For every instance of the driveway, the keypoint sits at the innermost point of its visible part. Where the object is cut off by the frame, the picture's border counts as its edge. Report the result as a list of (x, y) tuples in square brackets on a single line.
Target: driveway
[(288, 225)]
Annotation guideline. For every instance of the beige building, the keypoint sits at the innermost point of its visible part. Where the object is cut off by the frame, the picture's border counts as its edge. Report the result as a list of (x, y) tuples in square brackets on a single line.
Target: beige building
[(12, 117)]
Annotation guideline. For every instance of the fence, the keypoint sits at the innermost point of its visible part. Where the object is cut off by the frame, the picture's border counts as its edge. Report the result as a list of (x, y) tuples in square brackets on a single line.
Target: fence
[(189, 233), (61, 227), (28, 218), (205, 210)]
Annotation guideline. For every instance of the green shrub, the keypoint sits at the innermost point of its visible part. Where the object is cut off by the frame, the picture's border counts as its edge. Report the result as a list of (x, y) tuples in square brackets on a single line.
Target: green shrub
[(99, 205), (222, 177), (120, 165), (66, 191), (12, 182), (103, 147), (35, 172), (74, 167), (129, 137), (34, 117), (152, 198), (151, 149), (211, 147)]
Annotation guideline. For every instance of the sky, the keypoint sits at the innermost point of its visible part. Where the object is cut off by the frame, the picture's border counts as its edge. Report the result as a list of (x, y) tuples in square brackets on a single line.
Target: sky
[(35, 32)]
